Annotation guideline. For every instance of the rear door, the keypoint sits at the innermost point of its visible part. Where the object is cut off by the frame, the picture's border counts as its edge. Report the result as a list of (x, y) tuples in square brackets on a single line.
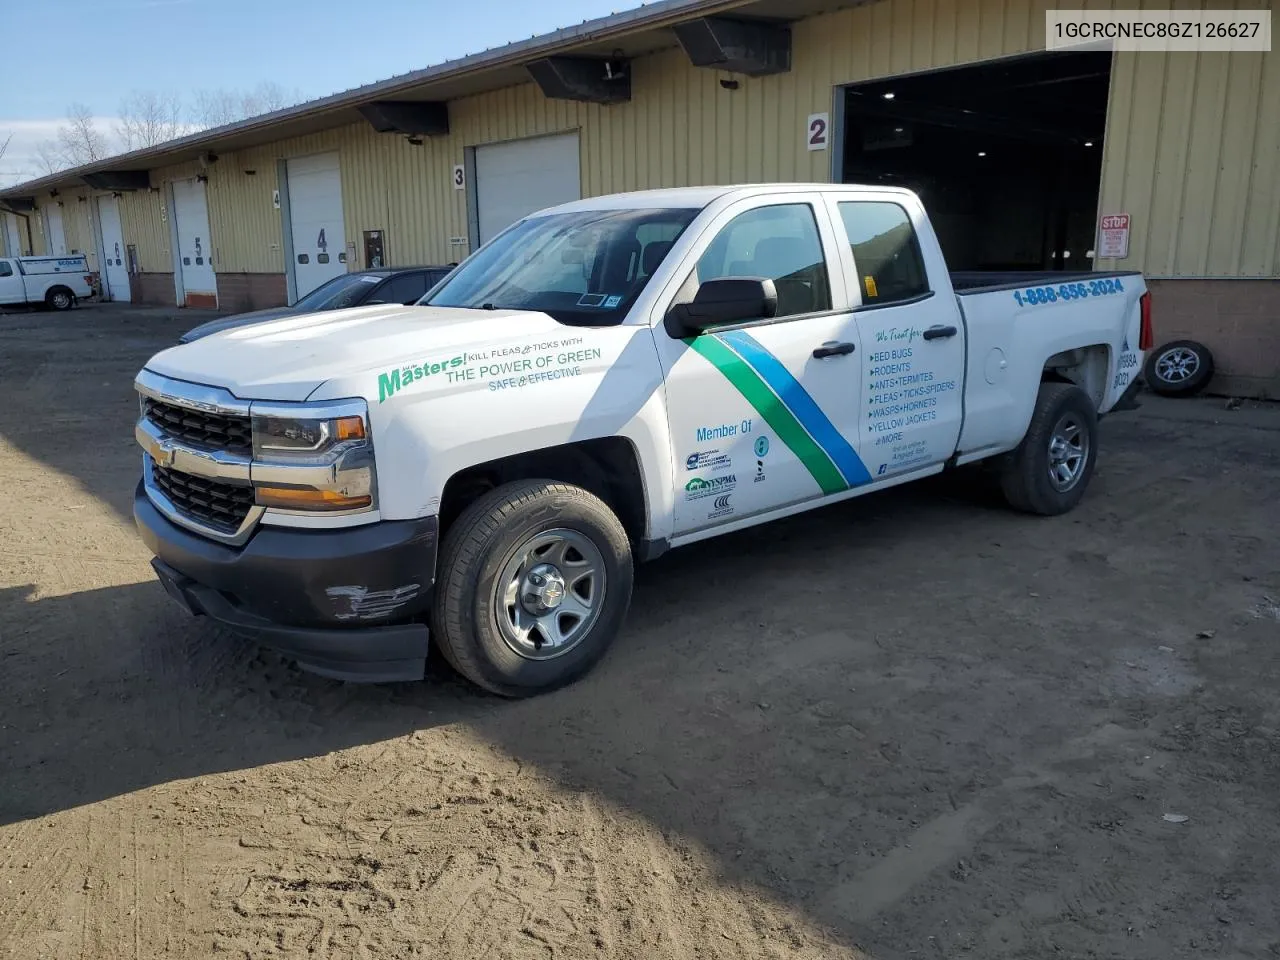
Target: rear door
[(763, 415), (913, 359)]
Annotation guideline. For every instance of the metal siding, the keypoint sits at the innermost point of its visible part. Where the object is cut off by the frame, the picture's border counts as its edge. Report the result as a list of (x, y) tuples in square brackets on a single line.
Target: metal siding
[(1190, 149), (1260, 238), (1192, 153)]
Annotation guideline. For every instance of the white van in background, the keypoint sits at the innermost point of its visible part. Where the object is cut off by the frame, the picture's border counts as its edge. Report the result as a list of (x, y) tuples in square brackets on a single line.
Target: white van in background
[(56, 282)]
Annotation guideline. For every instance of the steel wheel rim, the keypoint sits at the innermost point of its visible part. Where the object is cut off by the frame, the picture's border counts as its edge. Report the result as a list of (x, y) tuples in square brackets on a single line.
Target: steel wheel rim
[(1177, 365), (61, 301), (550, 593), (1068, 452)]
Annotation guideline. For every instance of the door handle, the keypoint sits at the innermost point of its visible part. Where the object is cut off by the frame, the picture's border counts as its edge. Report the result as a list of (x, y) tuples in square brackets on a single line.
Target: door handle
[(833, 349), (939, 333)]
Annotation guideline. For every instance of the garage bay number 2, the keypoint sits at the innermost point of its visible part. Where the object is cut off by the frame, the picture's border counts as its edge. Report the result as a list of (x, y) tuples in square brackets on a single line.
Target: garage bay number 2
[(817, 130)]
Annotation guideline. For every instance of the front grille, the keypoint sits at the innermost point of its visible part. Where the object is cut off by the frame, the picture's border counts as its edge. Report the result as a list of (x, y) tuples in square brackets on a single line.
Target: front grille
[(207, 431), (221, 506)]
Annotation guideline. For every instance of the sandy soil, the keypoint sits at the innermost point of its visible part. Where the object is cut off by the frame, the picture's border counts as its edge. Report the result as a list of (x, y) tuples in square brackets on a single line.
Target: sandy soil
[(915, 725)]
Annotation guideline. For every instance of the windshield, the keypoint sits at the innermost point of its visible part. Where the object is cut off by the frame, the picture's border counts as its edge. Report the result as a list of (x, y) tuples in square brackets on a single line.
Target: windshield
[(344, 291), (584, 268)]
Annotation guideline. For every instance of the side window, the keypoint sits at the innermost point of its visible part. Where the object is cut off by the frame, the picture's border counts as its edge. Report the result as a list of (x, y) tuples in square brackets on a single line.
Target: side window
[(886, 251), (5, 269), (779, 243), (403, 289)]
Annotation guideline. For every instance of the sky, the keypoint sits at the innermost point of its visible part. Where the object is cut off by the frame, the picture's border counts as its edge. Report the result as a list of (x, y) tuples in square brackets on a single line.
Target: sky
[(316, 47)]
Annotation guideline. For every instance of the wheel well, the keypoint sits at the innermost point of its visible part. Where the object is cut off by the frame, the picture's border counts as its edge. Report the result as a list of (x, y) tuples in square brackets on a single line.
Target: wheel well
[(1086, 367), (607, 467), (56, 288)]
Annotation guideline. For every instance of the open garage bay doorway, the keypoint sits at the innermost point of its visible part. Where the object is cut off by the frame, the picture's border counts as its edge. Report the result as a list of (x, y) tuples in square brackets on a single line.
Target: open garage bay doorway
[(1006, 155)]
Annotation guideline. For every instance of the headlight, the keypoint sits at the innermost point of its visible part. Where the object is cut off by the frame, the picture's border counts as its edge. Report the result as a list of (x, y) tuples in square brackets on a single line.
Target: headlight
[(314, 457), (273, 436)]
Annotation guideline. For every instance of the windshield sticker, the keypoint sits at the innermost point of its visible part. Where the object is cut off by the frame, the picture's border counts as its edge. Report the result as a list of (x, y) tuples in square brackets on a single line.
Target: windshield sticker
[(591, 300), (370, 279), (612, 302)]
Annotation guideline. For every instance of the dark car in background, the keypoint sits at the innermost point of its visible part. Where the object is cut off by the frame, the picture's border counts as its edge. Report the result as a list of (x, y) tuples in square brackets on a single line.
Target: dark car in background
[(398, 285)]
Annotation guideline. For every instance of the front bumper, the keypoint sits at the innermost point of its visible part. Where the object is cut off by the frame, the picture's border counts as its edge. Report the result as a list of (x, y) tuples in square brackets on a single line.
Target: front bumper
[(342, 602)]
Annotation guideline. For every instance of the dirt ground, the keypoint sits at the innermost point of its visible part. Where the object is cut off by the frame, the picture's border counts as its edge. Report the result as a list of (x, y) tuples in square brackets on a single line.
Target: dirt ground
[(914, 725)]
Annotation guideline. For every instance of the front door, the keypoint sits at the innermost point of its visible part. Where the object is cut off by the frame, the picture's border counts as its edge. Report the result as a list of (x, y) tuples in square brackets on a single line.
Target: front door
[(913, 356), (764, 415), (12, 289)]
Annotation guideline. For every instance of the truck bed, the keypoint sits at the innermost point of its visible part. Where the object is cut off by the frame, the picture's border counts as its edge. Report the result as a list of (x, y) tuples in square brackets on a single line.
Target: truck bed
[(986, 281)]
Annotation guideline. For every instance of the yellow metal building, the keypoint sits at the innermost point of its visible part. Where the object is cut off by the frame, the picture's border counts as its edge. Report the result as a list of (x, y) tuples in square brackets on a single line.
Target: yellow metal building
[(1191, 152)]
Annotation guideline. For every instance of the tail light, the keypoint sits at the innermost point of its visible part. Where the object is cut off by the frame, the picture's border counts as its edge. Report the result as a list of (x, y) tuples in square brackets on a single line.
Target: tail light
[(1147, 337)]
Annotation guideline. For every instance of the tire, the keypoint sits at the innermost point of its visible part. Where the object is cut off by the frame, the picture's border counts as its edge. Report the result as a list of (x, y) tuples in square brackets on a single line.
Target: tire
[(1027, 478), (496, 544), (1179, 369), (59, 298)]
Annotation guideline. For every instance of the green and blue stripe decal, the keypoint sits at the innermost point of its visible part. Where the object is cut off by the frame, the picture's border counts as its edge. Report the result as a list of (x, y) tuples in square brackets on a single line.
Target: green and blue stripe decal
[(786, 406)]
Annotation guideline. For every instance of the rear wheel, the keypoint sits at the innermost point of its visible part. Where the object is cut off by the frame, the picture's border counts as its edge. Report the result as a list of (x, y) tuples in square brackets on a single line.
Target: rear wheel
[(1049, 471), (535, 580), (59, 298), (1179, 369)]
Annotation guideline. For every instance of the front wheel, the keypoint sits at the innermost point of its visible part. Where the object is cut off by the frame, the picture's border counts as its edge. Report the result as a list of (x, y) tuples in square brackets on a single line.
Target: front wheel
[(534, 583), (1049, 471)]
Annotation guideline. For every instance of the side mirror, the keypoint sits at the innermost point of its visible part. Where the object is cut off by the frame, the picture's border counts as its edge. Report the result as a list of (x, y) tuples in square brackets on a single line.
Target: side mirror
[(724, 301)]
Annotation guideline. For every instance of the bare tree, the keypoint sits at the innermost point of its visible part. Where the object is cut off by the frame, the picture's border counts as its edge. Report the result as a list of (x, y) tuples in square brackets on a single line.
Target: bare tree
[(216, 108), (79, 140), (4, 147), (148, 118), (269, 96), (48, 158)]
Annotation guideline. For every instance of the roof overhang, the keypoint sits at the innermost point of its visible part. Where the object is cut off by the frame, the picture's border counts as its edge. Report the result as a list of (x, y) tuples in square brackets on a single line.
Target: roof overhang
[(118, 180), (622, 36)]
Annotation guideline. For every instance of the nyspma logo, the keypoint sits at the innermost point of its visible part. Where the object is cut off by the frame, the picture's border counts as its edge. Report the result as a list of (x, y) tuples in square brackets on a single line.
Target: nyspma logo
[(697, 488)]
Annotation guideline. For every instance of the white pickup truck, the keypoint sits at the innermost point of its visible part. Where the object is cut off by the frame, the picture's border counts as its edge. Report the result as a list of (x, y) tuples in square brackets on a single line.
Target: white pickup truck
[(602, 381), (56, 282)]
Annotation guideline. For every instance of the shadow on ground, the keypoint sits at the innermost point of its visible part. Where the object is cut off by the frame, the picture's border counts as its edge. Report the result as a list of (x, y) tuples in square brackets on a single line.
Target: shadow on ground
[(899, 713)]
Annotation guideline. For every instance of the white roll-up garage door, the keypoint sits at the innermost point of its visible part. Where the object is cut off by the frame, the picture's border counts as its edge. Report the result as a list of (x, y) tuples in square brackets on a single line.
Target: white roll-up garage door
[(12, 236), (115, 272), (194, 256), (517, 178), (315, 220), (54, 234)]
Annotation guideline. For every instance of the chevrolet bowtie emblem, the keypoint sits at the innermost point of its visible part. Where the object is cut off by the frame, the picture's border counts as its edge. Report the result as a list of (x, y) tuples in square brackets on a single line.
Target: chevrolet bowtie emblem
[(163, 453)]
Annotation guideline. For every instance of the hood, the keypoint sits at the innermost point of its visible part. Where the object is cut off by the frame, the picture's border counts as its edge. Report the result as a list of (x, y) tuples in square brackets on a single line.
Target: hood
[(239, 320), (289, 358)]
